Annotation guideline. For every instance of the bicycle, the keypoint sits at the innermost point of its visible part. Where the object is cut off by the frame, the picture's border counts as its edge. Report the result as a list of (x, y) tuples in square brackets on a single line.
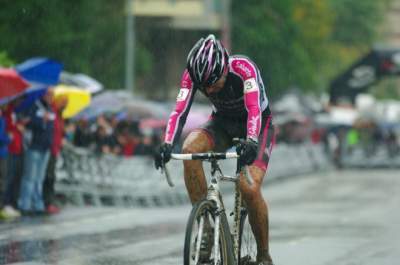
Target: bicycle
[(226, 248)]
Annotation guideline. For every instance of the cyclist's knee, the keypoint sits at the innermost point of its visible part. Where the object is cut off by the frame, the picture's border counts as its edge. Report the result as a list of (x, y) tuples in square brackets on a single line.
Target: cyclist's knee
[(190, 149), (196, 142), (251, 193)]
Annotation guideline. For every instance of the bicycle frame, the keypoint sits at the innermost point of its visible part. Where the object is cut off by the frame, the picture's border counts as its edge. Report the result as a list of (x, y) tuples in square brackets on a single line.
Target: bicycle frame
[(214, 194)]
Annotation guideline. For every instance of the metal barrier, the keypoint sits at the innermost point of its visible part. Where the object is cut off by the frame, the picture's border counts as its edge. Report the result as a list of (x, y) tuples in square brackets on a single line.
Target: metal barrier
[(369, 156), (84, 178)]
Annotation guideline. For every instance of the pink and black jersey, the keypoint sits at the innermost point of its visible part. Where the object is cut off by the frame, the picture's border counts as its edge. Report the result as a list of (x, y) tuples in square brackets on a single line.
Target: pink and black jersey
[(243, 97)]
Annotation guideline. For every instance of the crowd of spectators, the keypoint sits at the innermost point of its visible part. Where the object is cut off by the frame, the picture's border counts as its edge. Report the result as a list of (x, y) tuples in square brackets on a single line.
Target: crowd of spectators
[(365, 136), (28, 142), (31, 141), (108, 135)]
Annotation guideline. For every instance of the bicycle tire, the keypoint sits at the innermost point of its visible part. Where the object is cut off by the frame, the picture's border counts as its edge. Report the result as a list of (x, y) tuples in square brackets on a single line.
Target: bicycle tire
[(247, 243), (199, 210)]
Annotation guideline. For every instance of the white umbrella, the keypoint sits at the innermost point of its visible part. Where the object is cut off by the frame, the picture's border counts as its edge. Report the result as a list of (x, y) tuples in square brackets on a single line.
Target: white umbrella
[(81, 80)]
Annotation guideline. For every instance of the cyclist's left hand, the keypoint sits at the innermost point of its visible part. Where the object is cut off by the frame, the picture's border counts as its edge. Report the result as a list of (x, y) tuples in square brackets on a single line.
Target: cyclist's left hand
[(247, 149)]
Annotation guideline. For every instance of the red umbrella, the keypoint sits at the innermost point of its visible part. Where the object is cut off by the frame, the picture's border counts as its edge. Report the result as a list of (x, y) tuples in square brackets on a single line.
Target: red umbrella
[(11, 83), (152, 123)]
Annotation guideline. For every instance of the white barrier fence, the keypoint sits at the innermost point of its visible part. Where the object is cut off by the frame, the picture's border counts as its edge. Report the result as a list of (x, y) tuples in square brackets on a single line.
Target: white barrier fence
[(86, 179), (370, 157)]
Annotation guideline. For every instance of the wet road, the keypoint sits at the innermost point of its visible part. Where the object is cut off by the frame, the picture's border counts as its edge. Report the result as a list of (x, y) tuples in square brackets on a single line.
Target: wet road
[(347, 218)]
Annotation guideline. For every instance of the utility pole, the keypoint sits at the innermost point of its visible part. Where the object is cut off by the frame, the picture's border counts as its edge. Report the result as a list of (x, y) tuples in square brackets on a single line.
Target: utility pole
[(226, 24), (130, 48)]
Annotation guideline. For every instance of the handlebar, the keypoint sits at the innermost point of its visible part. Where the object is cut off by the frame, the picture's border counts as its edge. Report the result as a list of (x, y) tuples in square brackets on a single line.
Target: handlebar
[(206, 156)]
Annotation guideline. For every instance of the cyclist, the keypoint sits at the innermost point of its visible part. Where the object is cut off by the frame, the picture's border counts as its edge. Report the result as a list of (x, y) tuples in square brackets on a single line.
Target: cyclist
[(234, 86)]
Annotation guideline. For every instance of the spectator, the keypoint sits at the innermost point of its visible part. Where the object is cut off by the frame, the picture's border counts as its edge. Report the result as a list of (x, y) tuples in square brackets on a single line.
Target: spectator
[(145, 146), (15, 128), (102, 141), (69, 131), (83, 135), (37, 155), (4, 141), (58, 106), (352, 139), (391, 143)]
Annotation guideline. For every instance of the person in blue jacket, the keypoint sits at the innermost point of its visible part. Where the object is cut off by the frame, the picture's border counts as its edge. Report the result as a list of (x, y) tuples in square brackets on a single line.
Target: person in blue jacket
[(37, 155)]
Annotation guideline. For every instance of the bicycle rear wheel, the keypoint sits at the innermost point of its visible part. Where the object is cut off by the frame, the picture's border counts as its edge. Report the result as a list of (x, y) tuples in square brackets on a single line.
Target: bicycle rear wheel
[(247, 242), (203, 216)]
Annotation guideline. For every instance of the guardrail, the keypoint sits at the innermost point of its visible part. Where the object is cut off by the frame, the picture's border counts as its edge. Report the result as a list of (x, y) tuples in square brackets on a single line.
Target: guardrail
[(86, 179), (369, 156)]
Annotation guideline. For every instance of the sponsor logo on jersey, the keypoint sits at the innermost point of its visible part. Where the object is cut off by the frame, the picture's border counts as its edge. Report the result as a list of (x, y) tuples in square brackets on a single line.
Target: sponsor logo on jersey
[(185, 83), (169, 133), (244, 68), (183, 93), (250, 85), (253, 125)]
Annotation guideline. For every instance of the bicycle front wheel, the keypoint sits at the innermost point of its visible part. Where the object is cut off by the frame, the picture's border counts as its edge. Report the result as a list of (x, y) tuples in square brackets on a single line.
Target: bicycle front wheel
[(199, 246), (247, 242)]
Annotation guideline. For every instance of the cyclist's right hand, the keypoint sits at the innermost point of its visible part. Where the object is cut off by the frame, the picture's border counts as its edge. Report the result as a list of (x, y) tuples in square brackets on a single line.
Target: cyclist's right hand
[(163, 155), (247, 149)]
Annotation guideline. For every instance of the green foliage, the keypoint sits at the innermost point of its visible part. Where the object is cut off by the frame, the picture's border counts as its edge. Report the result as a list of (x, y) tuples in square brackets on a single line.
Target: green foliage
[(304, 42), (5, 61), (295, 42), (86, 36), (356, 21), (387, 89)]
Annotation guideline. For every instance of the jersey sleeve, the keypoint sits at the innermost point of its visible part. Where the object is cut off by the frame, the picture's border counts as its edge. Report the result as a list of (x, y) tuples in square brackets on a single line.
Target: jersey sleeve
[(178, 117), (251, 94)]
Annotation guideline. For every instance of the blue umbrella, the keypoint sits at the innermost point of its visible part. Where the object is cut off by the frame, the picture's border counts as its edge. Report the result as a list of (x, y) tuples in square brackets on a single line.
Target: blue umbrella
[(40, 70), (41, 73), (30, 96)]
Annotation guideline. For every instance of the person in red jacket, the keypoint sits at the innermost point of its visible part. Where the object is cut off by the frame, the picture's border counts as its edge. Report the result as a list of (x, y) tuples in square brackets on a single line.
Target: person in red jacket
[(58, 106), (15, 128)]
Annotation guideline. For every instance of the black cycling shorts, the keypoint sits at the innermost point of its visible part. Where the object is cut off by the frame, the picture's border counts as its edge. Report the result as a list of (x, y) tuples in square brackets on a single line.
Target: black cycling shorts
[(221, 130)]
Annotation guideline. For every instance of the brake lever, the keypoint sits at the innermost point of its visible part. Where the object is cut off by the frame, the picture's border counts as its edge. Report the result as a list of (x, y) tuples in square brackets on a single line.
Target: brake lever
[(243, 168), (164, 170)]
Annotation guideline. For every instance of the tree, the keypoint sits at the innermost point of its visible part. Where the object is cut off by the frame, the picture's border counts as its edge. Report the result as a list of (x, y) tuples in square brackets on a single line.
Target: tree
[(300, 43), (355, 30), (304, 42), (86, 36)]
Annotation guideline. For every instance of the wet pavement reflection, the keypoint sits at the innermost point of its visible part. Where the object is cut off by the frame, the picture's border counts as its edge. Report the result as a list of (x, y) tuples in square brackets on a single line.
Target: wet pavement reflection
[(51, 251)]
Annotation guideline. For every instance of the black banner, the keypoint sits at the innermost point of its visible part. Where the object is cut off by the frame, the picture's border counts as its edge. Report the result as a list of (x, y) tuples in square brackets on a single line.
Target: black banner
[(365, 72)]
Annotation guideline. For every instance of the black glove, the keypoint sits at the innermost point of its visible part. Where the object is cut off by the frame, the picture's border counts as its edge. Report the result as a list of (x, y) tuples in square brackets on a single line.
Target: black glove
[(247, 149), (163, 155)]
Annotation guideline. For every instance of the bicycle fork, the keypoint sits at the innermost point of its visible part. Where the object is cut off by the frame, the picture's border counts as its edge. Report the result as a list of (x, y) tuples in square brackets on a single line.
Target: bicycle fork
[(214, 195), (216, 239)]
